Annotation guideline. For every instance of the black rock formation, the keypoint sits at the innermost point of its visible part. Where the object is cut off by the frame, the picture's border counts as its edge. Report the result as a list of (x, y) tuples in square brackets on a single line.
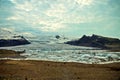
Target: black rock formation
[(13, 42), (57, 37), (97, 41)]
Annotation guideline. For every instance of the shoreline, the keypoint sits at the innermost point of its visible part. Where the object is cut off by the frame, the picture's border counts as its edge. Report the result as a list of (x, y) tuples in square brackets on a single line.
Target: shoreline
[(108, 62)]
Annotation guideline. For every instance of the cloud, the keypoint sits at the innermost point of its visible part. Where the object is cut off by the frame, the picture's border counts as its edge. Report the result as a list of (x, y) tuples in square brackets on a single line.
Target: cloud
[(54, 15), (13, 1), (14, 18), (56, 10), (8, 29), (52, 27), (28, 34), (25, 6), (84, 2)]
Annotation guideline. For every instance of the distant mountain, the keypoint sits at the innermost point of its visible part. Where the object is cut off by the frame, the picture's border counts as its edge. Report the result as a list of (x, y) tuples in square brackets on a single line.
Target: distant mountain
[(7, 38), (97, 41), (13, 42)]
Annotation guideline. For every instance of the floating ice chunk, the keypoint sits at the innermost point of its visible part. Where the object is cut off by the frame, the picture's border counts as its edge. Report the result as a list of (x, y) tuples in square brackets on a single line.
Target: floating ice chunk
[(112, 57), (86, 56)]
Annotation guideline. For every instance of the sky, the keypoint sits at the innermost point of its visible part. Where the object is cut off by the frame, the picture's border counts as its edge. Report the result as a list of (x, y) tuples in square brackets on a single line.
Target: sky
[(64, 17)]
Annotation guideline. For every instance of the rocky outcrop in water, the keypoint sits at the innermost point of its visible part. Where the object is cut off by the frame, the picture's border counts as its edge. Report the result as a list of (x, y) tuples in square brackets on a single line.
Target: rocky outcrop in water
[(97, 41), (57, 37)]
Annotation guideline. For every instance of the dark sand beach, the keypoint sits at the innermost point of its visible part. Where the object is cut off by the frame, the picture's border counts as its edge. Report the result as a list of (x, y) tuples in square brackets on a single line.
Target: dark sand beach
[(46, 70)]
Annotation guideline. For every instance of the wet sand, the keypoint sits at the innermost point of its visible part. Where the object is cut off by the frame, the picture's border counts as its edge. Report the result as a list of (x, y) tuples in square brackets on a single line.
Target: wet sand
[(10, 54), (47, 70)]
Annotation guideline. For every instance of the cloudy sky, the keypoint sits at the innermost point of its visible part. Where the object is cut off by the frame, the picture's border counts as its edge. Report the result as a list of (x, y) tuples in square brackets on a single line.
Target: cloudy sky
[(65, 17)]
